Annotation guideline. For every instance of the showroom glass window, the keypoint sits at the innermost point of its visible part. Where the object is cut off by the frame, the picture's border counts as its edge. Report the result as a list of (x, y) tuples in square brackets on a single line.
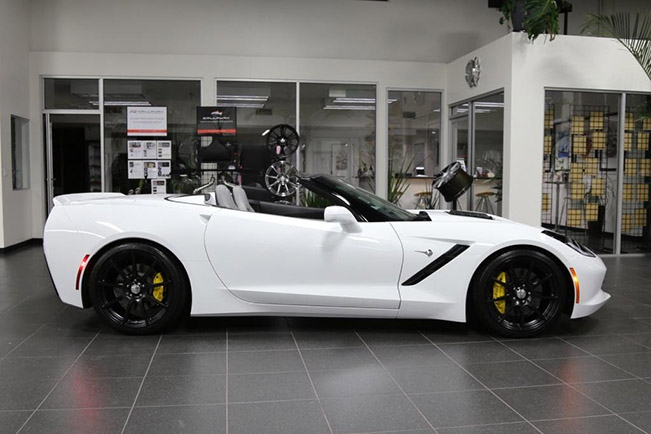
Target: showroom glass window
[(580, 167), (259, 107), (414, 151), (337, 126), (636, 213), (71, 94), (181, 97), (477, 142)]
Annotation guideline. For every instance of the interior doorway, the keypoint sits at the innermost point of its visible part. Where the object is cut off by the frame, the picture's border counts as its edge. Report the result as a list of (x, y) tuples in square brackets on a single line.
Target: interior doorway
[(73, 154)]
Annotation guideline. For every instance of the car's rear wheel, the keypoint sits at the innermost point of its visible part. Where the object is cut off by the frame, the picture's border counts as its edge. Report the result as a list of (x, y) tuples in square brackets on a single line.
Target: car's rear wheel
[(519, 293), (138, 288)]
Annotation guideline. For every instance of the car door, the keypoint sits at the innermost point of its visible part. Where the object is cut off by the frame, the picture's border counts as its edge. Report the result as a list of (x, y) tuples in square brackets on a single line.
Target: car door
[(271, 259)]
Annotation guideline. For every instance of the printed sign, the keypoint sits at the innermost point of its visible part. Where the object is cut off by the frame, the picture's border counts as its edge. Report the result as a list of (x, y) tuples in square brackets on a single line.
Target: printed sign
[(216, 121), (164, 149), (146, 121), (158, 186)]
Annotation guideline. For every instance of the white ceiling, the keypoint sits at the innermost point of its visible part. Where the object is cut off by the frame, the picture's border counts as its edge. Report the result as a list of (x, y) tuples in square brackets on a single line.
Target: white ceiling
[(398, 30)]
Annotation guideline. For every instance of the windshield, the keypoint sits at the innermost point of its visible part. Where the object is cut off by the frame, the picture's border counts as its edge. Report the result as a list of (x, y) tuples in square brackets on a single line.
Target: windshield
[(367, 204)]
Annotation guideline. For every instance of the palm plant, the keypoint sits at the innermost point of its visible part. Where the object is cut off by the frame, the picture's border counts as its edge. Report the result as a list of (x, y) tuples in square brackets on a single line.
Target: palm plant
[(634, 36), (398, 183)]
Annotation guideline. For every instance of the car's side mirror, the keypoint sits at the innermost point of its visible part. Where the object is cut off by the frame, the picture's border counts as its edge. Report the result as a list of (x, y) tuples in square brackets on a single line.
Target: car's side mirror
[(341, 215)]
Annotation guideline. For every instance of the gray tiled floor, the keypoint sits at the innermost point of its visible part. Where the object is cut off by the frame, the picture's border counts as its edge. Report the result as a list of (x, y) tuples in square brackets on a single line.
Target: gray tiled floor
[(61, 371)]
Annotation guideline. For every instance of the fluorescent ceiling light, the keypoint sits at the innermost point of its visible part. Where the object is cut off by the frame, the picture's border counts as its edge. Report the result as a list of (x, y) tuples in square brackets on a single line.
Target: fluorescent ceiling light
[(260, 98), (240, 105), (355, 100), (489, 104), (123, 103), (349, 107)]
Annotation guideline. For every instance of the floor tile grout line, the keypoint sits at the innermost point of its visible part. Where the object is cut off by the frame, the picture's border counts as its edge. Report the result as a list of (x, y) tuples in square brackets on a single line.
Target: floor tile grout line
[(481, 382), (56, 383), (21, 342), (309, 377), (126, 422), (572, 386), (600, 357), (411, 401)]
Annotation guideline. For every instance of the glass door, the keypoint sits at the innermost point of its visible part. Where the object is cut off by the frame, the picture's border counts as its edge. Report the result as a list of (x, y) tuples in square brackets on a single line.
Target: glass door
[(460, 147), (73, 154)]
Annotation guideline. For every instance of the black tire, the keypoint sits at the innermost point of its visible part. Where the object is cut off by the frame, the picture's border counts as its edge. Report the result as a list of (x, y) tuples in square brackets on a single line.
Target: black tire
[(519, 293), (138, 289)]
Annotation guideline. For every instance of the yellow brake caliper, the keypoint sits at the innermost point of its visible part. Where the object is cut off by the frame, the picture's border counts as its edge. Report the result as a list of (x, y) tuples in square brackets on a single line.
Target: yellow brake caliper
[(159, 289), (499, 290)]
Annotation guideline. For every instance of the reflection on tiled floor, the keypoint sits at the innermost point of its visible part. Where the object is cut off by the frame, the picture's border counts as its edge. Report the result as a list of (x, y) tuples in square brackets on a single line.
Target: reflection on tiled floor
[(61, 371)]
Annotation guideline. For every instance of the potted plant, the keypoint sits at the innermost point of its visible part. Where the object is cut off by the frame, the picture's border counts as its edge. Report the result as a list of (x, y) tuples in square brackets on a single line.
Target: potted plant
[(535, 17)]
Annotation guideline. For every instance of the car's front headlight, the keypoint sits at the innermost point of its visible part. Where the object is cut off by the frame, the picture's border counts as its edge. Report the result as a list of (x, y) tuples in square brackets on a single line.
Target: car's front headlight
[(570, 243)]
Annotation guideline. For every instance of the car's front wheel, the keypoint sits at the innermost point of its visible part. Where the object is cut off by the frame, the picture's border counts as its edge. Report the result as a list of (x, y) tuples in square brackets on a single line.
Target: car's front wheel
[(519, 293), (137, 288)]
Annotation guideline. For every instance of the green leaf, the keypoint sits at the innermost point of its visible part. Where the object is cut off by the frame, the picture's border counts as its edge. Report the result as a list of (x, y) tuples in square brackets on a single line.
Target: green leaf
[(634, 35)]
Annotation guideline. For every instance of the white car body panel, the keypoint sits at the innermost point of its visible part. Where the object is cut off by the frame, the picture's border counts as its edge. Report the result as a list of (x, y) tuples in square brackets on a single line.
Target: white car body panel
[(241, 263), (297, 261)]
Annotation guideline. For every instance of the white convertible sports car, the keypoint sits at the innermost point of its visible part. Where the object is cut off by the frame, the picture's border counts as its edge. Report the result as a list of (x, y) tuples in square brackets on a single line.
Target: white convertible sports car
[(144, 261)]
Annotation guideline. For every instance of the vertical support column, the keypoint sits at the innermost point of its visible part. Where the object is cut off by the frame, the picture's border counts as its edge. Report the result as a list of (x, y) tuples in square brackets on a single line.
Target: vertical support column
[(48, 162), (298, 130), (621, 127), (102, 158), (381, 143)]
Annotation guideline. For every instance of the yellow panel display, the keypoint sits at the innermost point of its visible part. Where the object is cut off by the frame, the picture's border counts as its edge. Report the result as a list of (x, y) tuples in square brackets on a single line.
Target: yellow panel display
[(578, 144), (596, 120), (547, 148), (627, 221), (591, 212), (630, 167), (598, 140), (576, 172), (590, 166), (645, 167), (643, 140), (574, 217), (578, 125), (628, 141), (577, 191), (646, 124), (640, 217), (643, 192), (630, 122), (598, 187), (628, 193), (549, 119), (546, 203)]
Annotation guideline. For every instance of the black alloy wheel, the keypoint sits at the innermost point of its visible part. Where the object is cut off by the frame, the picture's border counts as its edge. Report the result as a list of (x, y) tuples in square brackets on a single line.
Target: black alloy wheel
[(520, 293), (138, 289), (282, 141)]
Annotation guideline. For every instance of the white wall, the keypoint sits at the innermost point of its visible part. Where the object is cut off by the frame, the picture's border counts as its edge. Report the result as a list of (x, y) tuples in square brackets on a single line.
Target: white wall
[(15, 206), (208, 69), (405, 30)]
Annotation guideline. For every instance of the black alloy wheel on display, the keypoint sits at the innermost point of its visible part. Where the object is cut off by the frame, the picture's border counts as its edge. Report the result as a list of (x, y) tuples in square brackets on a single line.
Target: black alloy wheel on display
[(282, 140), (138, 289), (520, 293)]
